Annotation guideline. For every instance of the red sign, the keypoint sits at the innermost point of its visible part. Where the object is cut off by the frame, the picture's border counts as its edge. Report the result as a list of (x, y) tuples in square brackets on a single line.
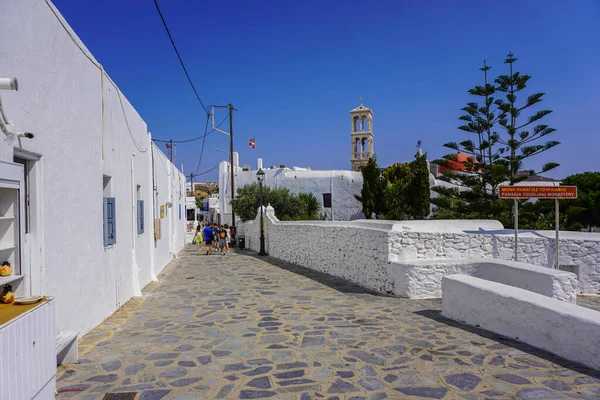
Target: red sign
[(537, 192)]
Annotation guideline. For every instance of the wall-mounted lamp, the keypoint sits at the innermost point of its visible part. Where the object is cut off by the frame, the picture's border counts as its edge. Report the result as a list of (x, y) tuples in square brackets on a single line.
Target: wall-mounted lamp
[(9, 127), (9, 84)]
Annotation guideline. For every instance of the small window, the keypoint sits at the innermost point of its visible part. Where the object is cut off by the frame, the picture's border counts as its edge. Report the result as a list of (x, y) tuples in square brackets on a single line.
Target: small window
[(110, 228), (327, 200), (140, 218)]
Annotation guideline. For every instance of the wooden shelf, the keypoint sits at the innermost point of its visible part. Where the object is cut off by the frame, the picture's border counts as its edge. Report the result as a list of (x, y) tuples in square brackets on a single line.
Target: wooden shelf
[(3, 248), (10, 279)]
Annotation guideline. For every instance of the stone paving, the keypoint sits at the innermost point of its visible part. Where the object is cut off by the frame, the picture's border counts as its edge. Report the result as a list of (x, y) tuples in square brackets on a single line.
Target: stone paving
[(243, 327)]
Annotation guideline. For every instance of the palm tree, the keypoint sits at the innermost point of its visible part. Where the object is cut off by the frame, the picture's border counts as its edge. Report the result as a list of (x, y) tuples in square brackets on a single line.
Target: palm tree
[(310, 205)]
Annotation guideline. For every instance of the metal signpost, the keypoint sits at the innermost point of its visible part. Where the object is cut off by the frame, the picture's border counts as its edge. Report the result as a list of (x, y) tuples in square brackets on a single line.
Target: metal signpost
[(538, 192)]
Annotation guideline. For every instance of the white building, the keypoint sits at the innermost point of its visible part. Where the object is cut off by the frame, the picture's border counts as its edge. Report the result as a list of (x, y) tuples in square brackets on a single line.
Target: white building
[(334, 189), (90, 210), (211, 211)]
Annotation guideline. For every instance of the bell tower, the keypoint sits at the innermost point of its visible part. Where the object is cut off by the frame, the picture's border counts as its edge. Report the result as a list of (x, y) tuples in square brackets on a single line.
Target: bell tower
[(361, 136)]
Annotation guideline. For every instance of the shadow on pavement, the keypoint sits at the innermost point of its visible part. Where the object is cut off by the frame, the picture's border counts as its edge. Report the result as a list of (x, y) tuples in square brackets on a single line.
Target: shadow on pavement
[(437, 316), (333, 282)]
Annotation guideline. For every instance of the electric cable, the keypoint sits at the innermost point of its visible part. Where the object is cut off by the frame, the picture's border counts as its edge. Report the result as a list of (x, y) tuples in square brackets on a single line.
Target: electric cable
[(179, 57), (194, 139), (203, 142)]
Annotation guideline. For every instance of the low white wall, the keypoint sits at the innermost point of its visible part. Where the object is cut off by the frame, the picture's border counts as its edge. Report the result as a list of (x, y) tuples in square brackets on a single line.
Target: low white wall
[(371, 249), (422, 279), (561, 328), (578, 249), (343, 249)]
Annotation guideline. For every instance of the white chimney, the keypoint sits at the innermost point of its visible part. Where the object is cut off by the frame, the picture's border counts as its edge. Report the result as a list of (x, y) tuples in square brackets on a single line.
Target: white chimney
[(236, 159), (260, 163)]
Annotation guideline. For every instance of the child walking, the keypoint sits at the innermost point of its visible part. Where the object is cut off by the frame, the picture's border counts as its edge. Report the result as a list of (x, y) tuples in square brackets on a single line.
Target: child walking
[(198, 237), (222, 239)]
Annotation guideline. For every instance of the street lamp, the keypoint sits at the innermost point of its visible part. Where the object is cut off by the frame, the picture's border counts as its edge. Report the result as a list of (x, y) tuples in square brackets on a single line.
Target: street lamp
[(260, 175)]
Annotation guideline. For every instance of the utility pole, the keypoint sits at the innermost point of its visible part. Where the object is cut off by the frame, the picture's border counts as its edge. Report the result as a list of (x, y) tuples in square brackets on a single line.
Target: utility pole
[(171, 150), (192, 182), (231, 159)]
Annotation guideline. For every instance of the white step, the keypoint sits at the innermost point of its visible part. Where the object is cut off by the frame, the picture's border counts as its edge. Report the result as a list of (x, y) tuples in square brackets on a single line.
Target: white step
[(66, 347)]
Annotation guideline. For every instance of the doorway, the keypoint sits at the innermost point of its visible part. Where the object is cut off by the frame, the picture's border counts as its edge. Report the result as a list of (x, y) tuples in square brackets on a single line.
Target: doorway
[(33, 230)]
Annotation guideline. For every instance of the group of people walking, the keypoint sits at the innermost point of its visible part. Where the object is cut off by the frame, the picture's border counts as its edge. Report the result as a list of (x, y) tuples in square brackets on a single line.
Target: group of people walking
[(214, 236)]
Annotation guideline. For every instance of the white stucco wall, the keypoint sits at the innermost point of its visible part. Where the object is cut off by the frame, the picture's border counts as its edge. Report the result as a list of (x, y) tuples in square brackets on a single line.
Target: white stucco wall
[(580, 249), (342, 185), (344, 249), (422, 279), (379, 254), (565, 329), (84, 129)]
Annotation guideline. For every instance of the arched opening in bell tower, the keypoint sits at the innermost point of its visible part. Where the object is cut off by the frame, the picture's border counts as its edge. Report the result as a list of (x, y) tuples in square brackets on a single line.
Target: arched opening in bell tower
[(357, 124)]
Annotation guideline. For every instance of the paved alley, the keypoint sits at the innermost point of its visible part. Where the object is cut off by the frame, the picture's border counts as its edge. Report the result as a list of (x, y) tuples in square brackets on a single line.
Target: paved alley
[(243, 327)]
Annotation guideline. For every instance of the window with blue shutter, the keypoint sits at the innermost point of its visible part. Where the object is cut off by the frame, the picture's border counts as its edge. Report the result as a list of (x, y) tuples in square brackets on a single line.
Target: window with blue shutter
[(140, 217), (110, 228)]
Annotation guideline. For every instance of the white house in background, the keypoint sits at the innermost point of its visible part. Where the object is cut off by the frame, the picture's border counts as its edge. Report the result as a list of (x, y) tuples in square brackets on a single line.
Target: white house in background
[(211, 211), (335, 189), (90, 210)]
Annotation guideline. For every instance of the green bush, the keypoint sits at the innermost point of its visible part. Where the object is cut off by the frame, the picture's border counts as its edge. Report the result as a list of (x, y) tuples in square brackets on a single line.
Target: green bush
[(288, 207)]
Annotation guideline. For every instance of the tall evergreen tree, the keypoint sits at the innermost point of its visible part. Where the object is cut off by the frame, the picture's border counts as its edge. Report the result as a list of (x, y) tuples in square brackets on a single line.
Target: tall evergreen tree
[(494, 158), (371, 194), (420, 191), (517, 137)]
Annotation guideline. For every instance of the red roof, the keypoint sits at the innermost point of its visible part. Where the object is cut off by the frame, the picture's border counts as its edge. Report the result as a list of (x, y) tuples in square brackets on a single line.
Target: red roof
[(459, 164)]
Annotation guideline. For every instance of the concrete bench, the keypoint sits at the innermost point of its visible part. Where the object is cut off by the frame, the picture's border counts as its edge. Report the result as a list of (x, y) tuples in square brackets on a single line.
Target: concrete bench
[(66, 347), (421, 279), (567, 330)]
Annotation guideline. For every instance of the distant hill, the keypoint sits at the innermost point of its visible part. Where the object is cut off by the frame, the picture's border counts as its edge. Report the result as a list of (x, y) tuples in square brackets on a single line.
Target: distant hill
[(204, 189)]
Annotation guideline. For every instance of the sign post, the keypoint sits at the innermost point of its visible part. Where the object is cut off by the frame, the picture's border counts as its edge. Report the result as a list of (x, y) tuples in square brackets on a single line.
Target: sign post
[(538, 192)]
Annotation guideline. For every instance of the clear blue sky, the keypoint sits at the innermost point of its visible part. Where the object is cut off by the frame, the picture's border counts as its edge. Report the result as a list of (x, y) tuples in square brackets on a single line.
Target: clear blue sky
[(294, 69)]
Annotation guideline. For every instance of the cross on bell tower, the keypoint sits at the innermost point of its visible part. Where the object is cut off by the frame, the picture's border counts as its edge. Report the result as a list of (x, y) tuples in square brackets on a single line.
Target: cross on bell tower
[(361, 136)]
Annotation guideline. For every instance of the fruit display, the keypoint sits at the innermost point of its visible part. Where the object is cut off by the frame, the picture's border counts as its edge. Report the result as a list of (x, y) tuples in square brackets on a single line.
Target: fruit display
[(5, 269), (7, 296)]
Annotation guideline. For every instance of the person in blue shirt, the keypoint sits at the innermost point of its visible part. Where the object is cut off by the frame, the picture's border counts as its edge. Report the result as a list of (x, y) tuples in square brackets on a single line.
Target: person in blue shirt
[(208, 238)]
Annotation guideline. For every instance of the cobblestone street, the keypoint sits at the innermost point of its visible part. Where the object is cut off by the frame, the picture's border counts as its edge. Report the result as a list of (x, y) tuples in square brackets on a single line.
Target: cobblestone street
[(243, 327)]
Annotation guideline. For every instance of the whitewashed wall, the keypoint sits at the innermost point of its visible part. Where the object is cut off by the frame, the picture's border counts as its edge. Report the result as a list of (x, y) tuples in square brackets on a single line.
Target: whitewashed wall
[(580, 249), (345, 249), (84, 128), (342, 185), (361, 251)]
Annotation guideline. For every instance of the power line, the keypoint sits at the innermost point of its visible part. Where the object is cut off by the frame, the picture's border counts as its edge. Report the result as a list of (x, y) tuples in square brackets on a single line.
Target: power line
[(207, 171), (194, 139), (203, 142), (202, 173), (179, 57)]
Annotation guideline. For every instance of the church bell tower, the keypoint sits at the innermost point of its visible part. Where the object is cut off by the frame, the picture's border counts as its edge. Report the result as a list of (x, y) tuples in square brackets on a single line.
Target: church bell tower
[(361, 136)]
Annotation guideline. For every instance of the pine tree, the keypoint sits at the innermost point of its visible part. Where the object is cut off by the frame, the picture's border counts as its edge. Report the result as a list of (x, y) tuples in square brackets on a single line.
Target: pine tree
[(476, 196), (371, 194), (494, 159), (517, 138), (420, 191)]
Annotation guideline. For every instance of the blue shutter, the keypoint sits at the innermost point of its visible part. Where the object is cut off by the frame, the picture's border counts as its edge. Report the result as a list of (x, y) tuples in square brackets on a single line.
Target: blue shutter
[(110, 229), (140, 217), (180, 211)]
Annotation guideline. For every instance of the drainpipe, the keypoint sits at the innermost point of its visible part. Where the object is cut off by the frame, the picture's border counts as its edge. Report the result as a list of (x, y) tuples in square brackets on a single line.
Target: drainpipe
[(331, 191), (150, 237), (135, 270)]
